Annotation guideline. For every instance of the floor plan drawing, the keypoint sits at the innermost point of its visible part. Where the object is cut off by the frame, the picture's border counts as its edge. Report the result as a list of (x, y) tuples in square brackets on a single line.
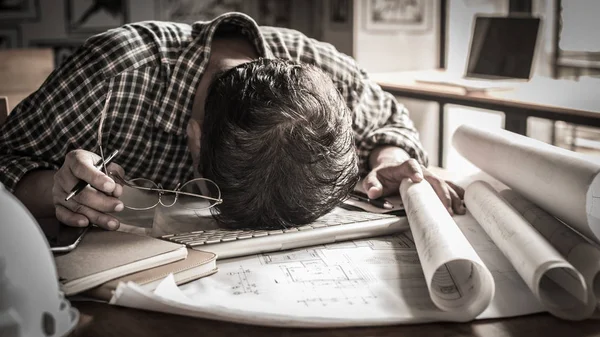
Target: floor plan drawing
[(374, 279), (242, 282)]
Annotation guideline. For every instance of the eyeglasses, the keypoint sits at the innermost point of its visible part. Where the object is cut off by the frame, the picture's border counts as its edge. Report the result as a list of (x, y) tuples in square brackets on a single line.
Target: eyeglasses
[(143, 194)]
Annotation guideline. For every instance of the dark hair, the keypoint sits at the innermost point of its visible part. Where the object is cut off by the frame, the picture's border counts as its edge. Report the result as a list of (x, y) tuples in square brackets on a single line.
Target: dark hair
[(277, 139)]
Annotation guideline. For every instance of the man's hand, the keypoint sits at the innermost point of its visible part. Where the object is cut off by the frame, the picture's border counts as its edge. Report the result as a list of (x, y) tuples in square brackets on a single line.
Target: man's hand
[(92, 204), (385, 178)]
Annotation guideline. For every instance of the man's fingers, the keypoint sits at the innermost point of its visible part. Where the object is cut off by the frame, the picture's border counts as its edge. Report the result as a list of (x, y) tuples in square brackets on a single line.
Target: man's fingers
[(372, 185), (100, 219), (64, 180), (69, 218), (117, 169), (81, 165), (74, 213), (409, 169), (457, 205), (93, 203), (385, 180), (413, 170), (98, 201), (459, 190)]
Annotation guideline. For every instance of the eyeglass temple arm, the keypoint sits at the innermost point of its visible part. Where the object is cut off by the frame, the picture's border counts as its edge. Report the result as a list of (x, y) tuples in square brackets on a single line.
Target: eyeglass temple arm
[(124, 182)]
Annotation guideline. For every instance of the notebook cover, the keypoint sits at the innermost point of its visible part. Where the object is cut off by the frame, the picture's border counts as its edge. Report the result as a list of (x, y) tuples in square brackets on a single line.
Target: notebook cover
[(197, 264), (101, 250)]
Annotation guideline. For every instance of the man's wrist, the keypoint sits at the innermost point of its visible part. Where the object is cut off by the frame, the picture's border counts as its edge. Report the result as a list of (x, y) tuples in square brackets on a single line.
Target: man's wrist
[(34, 190), (387, 155)]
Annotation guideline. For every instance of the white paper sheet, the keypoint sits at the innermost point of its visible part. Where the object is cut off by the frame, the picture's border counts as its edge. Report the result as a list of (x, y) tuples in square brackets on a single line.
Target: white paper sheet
[(562, 182), (456, 277), (554, 281), (378, 281), (582, 254)]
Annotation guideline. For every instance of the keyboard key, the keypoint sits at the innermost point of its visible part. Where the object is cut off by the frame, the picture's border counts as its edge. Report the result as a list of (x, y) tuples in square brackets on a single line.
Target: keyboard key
[(187, 240), (304, 228), (186, 235), (215, 237)]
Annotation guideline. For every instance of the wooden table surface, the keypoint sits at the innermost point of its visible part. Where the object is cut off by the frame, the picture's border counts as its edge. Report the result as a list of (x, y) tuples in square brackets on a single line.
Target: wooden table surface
[(549, 97), (103, 320)]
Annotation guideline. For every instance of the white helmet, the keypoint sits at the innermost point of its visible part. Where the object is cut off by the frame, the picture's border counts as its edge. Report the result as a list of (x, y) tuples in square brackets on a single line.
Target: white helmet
[(31, 303)]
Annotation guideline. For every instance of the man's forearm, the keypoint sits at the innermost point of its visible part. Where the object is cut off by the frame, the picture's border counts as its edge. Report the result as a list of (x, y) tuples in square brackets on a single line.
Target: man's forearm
[(387, 154), (35, 192)]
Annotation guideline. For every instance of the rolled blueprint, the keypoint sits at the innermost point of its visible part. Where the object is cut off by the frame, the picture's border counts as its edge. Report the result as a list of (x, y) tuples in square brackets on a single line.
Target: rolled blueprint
[(585, 257), (554, 281), (562, 182), (457, 279)]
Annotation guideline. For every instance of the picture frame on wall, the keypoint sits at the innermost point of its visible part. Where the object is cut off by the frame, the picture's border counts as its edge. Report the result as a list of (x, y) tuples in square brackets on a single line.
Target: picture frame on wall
[(61, 49), (340, 14), (21, 10), (398, 15), (190, 11), (95, 16), (10, 37)]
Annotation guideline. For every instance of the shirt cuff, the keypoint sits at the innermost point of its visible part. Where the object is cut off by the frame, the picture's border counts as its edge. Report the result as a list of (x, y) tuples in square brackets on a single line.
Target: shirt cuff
[(14, 168), (394, 138)]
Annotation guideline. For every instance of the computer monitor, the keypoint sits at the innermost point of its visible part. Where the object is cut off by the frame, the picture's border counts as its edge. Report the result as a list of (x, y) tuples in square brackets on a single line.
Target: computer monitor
[(503, 47)]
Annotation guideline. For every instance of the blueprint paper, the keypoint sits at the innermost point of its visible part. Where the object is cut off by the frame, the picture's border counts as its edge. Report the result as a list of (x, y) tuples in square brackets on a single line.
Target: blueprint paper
[(553, 280), (456, 277), (377, 281), (563, 183), (581, 253)]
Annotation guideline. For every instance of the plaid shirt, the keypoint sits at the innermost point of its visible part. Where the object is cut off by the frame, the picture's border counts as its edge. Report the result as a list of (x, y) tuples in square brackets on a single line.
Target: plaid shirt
[(152, 70)]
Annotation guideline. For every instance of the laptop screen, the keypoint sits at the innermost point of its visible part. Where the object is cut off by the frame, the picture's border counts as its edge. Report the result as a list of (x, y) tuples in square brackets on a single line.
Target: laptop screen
[(503, 47)]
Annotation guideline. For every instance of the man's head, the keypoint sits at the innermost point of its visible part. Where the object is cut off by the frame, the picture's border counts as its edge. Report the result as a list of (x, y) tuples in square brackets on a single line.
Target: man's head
[(277, 139)]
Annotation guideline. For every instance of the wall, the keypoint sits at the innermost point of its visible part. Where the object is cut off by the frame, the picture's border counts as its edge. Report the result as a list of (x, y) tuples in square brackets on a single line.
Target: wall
[(381, 48), (461, 15), (402, 47), (54, 23), (337, 19)]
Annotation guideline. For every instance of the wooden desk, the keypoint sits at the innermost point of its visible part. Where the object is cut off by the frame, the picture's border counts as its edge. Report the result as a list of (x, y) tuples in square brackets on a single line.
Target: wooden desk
[(22, 71), (569, 101), (103, 320), (100, 319)]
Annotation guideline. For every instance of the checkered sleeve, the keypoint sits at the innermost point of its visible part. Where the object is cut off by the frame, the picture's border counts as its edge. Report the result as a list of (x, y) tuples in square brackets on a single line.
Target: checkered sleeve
[(379, 119), (57, 118)]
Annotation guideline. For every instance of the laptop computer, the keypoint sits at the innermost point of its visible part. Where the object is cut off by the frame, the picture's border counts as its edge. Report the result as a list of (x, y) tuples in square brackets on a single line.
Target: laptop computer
[(501, 53)]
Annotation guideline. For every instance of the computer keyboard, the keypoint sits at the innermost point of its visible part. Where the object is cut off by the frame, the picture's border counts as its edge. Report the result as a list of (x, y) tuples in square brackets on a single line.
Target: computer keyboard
[(337, 226)]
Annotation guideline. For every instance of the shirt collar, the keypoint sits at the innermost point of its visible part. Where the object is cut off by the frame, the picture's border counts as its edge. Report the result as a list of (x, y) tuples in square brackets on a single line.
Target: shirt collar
[(179, 98)]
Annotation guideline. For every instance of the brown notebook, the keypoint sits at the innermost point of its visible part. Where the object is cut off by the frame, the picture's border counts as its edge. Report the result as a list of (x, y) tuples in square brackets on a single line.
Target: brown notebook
[(106, 255), (197, 264)]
